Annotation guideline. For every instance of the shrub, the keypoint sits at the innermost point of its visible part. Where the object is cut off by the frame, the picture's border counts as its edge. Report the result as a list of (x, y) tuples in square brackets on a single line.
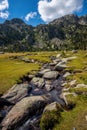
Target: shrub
[(49, 119)]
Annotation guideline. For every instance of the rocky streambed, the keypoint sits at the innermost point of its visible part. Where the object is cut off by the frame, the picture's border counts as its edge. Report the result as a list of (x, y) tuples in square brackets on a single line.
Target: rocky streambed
[(34, 94)]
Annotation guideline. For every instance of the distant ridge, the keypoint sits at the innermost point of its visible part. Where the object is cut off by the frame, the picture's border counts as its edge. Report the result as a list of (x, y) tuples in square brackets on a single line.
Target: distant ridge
[(67, 32)]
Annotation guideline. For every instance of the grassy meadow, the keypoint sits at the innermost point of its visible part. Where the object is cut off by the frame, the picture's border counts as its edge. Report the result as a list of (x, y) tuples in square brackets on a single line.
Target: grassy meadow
[(12, 69)]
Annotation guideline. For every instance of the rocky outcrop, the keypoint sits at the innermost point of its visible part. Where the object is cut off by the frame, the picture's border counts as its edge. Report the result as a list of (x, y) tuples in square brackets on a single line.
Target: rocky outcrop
[(58, 34), (22, 111), (17, 92)]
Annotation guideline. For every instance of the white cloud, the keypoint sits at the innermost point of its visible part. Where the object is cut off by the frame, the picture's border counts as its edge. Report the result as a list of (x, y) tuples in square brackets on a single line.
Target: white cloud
[(30, 15), (4, 15), (4, 4), (52, 9)]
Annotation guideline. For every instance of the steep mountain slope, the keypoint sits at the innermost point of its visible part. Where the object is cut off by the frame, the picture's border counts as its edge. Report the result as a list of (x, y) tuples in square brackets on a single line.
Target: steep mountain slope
[(16, 34), (68, 32)]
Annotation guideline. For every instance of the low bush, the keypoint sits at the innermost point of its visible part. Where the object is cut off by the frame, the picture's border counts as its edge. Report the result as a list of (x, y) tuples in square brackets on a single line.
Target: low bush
[(50, 119)]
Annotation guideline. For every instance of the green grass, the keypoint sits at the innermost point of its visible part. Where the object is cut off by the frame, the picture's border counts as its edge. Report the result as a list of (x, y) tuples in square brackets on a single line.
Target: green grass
[(12, 70), (42, 56), (76, 117), (79, 64)]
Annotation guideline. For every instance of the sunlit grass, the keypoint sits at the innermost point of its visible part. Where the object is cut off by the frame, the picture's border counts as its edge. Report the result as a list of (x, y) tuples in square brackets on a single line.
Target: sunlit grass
[(79, 64), (76, 118), (12, 70)]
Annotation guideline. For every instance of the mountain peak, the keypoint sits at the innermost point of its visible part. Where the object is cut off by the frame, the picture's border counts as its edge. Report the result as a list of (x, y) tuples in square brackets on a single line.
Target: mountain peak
[(14, 21)]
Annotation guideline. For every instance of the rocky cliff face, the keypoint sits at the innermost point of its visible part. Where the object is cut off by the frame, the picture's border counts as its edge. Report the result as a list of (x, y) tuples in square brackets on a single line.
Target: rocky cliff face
[(69, 31)]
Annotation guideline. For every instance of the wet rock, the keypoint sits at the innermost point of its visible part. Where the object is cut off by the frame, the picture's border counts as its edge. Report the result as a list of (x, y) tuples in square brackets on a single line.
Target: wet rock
[(22, 111), (17, 92), (51, 75), (60, 67), (2, 114), (37, 91), (52, 64), (4, 102), (39, 82), (49, 87), (42, 72)]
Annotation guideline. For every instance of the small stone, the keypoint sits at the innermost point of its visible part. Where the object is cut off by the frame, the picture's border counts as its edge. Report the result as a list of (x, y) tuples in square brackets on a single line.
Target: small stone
[(53, 106), (73, 82), (66, 74), (86, 117)]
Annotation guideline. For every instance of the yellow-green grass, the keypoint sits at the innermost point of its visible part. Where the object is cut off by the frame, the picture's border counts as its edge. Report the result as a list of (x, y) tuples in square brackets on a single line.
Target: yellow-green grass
[(42, 56), (78, 90), (12, 70), (79, 66), (76, 118)]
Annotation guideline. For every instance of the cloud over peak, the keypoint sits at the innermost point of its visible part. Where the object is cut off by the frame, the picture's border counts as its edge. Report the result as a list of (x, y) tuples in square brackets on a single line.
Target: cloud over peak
[(52, 9), (4, 5), (30, 15), (4, 15)]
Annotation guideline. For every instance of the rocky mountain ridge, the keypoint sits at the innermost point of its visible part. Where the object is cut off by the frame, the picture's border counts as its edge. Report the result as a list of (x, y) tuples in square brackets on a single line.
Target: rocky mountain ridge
[(66, 32)]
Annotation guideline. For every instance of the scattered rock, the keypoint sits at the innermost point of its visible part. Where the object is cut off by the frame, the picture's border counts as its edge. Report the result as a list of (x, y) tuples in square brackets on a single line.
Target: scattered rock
[(73, 83), (81, 86), (58, 56), (53, 106), (59, 67), (39, 82), (66, 74), (42, 72), (49, 87), (51, 75), (52, 64), (86, 117)]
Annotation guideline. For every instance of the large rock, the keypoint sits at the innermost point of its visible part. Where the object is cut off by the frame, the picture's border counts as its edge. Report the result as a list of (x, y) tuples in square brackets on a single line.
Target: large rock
[(17, 92), (51, 75), (39, 82), (22, 111)]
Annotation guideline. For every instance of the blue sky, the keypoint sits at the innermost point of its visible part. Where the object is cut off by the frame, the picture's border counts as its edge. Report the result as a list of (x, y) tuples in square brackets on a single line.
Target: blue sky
[(36, 12)]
